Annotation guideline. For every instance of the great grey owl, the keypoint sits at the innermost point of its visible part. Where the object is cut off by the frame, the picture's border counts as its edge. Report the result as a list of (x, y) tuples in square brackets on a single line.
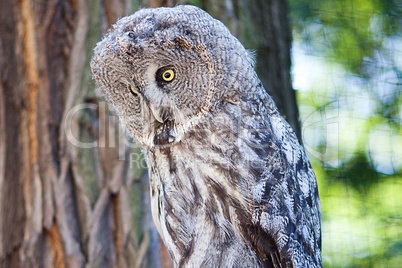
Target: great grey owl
[(230, 184)]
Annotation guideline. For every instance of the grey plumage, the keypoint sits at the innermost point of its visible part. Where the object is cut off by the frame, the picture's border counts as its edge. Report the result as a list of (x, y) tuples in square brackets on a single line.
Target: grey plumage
[(230, 184)]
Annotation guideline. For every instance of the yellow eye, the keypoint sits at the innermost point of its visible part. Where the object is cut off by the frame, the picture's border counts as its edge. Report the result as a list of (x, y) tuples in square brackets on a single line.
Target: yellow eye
[(168, 75), (134, 91)]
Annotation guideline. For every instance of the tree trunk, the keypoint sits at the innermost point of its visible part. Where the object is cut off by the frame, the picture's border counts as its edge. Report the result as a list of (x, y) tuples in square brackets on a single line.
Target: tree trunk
[(73, 191), (61, 204)]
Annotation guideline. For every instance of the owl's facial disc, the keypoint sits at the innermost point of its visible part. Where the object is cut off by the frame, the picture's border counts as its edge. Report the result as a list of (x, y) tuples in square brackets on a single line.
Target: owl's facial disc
[(159, 77)]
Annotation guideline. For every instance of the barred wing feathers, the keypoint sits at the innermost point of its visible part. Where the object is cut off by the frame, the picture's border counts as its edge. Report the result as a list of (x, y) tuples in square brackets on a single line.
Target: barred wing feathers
[(286, 220)]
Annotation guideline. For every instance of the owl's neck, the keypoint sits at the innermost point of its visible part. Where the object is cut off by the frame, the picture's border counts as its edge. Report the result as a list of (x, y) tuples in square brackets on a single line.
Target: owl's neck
[(198, 189)]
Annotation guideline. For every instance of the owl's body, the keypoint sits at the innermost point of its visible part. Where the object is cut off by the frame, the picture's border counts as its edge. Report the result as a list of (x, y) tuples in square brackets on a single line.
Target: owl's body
[(230, 184)]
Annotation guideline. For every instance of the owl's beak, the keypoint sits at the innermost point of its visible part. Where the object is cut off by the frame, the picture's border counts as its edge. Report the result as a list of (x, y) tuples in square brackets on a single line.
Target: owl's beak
[(156, 112)]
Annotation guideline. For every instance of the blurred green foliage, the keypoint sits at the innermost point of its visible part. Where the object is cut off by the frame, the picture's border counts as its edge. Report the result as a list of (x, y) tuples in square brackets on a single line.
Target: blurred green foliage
[(347, 68), (350, 32)]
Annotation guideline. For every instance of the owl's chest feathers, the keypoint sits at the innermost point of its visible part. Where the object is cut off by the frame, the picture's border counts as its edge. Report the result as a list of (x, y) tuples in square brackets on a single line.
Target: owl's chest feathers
[(199, 191)]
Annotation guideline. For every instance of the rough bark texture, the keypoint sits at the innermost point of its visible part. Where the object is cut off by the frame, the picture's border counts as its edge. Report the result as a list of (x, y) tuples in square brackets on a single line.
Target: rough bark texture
[(63, 205)]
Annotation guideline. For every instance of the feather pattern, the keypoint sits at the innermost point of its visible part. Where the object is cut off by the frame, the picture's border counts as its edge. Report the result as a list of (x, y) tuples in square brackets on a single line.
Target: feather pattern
[(230, 184)]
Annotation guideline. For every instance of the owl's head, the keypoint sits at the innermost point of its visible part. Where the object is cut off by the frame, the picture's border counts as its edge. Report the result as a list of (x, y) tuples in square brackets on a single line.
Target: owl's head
[(165, 69)]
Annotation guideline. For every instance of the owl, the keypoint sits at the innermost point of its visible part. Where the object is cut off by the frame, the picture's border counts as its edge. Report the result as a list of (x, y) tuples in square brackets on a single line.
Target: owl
[(230, 184)]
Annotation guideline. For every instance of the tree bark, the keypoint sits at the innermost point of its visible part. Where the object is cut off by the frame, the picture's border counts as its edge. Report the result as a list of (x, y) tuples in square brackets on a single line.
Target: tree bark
[(73, 190), (62, 205)]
